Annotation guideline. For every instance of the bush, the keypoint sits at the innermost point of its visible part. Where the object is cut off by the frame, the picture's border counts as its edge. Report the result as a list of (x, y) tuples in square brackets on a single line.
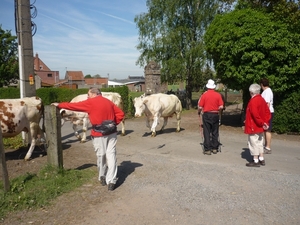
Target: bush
[(287, 115)]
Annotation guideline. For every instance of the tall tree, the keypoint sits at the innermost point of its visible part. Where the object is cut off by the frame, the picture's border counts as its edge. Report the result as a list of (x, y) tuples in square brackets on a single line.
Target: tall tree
[(287, 11), (8, 57), (171, 33), (247, 45)]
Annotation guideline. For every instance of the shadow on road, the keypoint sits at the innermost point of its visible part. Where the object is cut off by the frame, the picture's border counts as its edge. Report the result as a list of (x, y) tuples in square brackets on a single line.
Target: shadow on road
[(124, 170), (246, 155)]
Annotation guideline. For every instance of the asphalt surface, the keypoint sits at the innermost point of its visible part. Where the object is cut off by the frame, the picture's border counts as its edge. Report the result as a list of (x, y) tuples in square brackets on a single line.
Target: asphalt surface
[(170, 181)]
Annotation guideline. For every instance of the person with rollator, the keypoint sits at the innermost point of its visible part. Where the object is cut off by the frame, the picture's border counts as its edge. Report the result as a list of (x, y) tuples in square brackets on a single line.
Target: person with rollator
[(209, 104)]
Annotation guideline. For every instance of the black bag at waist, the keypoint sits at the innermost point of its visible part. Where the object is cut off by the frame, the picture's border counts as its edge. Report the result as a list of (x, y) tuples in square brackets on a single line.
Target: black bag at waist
[(106, 127)]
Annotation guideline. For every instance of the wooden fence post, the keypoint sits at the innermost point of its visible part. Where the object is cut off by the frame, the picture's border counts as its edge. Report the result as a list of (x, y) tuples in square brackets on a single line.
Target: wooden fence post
[(6, 184), (53, 134)]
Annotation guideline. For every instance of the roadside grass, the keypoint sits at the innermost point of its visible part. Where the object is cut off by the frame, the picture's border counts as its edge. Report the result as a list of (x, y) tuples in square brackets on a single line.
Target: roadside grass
[(32, 191), (13, 142)]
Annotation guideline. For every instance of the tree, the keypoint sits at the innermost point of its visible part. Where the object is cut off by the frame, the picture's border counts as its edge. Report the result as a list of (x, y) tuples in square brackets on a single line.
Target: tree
[(171, 34), (287, 11), (247, 45), (88, 76), (8, 58)]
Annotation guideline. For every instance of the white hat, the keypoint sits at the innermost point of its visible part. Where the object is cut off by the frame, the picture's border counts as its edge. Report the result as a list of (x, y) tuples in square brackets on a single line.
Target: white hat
[(210, 84)]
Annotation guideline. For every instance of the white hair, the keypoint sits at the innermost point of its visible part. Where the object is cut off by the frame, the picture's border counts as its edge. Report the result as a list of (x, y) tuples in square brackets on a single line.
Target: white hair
[(254, 89)]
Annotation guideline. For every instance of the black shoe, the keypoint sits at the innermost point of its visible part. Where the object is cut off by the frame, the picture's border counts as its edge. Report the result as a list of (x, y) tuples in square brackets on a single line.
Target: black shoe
[(253, 164), (102, 181), (207, 152), (215, 151), (111, 186), (262, 162)]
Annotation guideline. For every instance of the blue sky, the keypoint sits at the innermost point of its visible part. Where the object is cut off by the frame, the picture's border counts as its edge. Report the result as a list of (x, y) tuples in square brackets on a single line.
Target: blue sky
[(96, 37)]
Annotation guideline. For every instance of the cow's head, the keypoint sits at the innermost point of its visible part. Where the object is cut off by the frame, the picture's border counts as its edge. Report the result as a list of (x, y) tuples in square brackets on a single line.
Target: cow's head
[(139, 105)]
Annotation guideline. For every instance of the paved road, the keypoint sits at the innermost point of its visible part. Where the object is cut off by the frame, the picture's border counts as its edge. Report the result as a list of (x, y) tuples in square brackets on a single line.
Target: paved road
[(171, 182)]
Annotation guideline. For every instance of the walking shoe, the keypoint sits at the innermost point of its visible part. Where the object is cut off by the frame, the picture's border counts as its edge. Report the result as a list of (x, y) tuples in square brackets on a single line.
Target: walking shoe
[(267, 150), (215, 151), (207, 152), (253, 164), (102, 181), (111, 186), (262, 162)]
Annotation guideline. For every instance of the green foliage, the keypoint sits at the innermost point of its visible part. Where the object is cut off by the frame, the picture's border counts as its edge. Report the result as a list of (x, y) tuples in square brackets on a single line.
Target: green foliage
[(32, 191), (171, 34), (287, 115), (282, 10), (8, 57), (7, 93), (247, 45)]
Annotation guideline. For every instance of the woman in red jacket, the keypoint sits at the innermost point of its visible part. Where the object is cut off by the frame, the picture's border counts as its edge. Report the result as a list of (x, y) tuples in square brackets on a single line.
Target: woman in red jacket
[(257, 121)]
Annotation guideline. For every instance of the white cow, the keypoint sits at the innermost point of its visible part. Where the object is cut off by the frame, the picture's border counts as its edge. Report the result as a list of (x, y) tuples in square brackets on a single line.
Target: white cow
[(158, 105), (17, 115), (82, 118)]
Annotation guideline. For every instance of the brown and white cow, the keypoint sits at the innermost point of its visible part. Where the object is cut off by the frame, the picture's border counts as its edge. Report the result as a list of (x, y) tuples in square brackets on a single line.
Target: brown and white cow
[(17, 115), (82, 118), (158, 105)]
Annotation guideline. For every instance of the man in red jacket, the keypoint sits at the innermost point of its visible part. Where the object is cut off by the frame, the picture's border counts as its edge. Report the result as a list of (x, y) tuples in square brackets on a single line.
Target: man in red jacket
[(209, 104), (257, 121), (104, 116)]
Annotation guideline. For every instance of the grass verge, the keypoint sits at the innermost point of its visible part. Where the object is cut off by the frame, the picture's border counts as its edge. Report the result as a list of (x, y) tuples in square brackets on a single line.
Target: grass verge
[(32, 191)]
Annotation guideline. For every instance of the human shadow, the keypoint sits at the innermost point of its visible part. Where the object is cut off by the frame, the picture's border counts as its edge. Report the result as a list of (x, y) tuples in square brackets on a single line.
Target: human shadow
[(124, 170), (246, 155)]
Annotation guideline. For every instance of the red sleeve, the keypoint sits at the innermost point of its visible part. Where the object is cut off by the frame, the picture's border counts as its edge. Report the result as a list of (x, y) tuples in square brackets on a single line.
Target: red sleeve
[(83, 106)]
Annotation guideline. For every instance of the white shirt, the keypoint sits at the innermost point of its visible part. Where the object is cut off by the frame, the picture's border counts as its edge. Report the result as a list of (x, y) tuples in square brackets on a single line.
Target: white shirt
[(267, 94)]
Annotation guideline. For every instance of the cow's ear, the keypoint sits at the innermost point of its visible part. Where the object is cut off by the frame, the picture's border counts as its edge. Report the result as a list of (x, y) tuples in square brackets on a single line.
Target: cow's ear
[(145, 101)]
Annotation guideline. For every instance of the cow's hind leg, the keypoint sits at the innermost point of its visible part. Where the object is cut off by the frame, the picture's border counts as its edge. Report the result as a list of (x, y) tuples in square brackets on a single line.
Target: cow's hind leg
[(76, 131), (123, 127), (165, 123), (178, 117), (84, 130)]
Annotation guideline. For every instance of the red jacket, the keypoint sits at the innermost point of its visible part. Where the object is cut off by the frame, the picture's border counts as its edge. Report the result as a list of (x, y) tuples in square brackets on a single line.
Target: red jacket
[(257, 113), (98, 109)]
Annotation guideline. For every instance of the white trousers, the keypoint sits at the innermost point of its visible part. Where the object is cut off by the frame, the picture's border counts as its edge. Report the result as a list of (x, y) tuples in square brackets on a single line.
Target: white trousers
[(256, 143), (105, 148)]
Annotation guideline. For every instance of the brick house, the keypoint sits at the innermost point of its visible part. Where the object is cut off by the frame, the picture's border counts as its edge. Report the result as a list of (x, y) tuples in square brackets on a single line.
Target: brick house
[(75, 77), (48, 77)]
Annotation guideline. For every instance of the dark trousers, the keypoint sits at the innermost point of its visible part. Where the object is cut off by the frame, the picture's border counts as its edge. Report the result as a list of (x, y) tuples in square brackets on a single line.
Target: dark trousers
[(211, 131)]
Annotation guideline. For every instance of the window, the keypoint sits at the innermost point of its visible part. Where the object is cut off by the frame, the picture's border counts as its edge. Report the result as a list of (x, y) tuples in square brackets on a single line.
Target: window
[(49, 75)]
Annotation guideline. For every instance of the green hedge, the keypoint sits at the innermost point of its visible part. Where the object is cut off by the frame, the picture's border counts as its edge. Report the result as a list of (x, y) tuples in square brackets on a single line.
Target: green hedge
[(287, 115), (49, 95)]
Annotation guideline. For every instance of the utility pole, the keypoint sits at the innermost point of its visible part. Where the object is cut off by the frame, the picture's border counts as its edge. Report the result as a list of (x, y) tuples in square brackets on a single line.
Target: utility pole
[(25, 49)]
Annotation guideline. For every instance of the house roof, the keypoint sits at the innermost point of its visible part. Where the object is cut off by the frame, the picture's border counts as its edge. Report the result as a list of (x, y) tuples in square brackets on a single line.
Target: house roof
[(94, 81), (39, 65), (115, 83), (74, 75)]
